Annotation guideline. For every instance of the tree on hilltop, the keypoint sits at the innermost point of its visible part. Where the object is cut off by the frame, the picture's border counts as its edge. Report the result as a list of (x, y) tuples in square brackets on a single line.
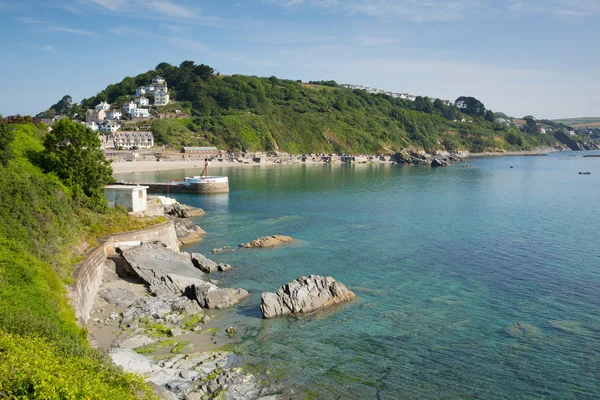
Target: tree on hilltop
[(73, 152), (470, 106)]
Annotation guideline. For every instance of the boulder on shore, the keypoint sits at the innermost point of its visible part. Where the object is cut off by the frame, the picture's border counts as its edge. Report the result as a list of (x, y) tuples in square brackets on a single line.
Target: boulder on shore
[(207, 265), (304, 295), (210, 296), (183, 211), (188, 232), (267, 241)]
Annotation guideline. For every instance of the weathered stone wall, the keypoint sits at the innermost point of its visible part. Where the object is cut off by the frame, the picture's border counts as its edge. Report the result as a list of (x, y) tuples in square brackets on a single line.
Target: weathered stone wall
[(88, 273)]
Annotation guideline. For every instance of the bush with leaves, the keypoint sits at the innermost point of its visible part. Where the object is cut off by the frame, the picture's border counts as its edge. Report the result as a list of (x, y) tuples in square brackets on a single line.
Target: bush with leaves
[(72, 151)]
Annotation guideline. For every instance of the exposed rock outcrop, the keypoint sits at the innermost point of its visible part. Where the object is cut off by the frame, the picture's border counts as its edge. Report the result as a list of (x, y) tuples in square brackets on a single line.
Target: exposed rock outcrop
[(183, 211), (165, 271), (210, 296), (158, 307), (188, 232), (441, 159), (267, 241), (207, 265), (304, 295)]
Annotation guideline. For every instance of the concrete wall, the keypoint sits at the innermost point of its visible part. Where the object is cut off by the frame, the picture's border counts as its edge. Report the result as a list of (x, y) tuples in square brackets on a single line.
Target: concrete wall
[(88, 273)]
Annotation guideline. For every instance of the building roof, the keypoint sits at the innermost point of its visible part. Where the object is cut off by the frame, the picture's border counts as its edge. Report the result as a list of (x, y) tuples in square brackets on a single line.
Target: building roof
[(199, 148)]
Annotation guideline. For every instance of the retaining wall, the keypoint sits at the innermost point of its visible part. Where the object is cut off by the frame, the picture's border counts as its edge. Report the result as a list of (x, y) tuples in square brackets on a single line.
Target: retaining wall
[(88, 273)]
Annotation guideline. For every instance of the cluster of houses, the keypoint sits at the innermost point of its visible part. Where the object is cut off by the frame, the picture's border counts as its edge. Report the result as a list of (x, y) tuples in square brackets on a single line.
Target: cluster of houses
[(107, 121), (404, 96)]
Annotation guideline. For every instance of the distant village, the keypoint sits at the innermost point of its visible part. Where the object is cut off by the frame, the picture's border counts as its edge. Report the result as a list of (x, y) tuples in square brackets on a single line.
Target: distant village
[(404, 96), (107, 121)]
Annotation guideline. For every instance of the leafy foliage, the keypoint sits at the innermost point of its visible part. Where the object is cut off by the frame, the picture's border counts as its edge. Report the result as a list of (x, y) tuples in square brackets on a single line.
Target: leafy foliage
[(43, 353), (6, 138), (250, 113), (72, 151)]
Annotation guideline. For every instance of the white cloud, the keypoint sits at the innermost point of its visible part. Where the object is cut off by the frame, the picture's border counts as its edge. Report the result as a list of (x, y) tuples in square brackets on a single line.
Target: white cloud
[(446, 10), (129, 31), (48, 48), (112, 5), (47, 27), (59, 28), (169, 8)]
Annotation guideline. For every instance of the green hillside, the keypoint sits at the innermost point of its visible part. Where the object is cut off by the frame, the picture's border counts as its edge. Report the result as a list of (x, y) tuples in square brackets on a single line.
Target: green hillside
[(250, 113), (578, 121), (44, 217)]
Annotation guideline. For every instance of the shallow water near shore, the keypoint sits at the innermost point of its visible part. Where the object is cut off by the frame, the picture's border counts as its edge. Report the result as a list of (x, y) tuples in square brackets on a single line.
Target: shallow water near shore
[(442, 262)]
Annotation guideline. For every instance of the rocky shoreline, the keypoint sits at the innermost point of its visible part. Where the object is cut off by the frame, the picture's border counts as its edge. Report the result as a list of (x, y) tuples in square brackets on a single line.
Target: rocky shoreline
[(156, 314)]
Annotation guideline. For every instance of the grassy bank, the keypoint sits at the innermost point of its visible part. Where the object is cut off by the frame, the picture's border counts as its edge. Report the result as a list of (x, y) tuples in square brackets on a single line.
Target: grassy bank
[(43, 233)]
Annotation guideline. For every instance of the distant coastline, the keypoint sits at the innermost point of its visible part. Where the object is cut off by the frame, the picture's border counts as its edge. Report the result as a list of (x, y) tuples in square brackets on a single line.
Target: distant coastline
[(122, 167)]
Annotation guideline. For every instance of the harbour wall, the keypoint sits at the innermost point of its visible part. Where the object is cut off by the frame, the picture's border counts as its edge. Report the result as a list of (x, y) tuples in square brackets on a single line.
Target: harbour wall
[(88, 273)]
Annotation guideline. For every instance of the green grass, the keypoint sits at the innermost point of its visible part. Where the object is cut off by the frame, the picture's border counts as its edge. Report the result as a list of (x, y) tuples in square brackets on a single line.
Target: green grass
[(43, 233)]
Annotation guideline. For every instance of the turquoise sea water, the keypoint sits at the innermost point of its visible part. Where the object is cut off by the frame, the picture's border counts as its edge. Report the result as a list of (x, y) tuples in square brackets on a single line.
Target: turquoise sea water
[(442, 261)]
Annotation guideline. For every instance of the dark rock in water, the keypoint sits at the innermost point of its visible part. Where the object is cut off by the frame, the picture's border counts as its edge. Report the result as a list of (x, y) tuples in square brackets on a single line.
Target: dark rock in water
[(224, 249), (304, 295), (210, 296), (117, 296), (522, 329), (183, 211), (439, 163), (267, 241)]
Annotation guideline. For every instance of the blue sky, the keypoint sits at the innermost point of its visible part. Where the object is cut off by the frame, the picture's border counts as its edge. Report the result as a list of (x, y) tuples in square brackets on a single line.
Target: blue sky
[(521, 57)]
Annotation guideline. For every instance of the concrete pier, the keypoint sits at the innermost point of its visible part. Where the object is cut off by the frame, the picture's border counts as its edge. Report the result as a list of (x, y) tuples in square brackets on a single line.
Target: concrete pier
[(196, 184)]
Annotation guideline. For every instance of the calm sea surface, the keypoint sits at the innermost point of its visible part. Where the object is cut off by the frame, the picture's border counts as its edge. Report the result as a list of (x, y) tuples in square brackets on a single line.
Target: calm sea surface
[(442, 261)]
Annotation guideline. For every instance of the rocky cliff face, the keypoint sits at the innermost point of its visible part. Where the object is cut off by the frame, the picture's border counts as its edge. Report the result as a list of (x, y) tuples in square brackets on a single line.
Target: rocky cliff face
[(573, 144), (304, 295)]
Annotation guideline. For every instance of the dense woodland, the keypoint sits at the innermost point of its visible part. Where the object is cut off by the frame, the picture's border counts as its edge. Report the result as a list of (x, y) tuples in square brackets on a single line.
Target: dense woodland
[(249, 113)]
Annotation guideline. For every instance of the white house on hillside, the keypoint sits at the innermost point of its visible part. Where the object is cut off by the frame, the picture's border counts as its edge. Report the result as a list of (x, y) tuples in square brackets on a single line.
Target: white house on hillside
[(140, 91), (113, 114), (109, 126), (142, 101), (127, 107), (92, 125), (161, 99), (104, 106), (139, 113), (158, 80)]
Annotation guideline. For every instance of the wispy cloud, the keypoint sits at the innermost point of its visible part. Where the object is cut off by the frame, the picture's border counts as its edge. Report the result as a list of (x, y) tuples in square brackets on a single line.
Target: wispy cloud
[(445, 10), (47, 47), (48, 27), (169, 8), (112, 5), (564, 8), (60, 28), (129, 31)]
